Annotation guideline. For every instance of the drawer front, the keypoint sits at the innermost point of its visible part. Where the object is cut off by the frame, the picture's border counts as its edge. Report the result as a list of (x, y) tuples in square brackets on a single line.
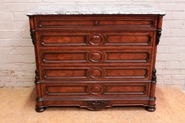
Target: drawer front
[(94, 89), (95, 56), (58, 39), (64, 73), (96, 22)]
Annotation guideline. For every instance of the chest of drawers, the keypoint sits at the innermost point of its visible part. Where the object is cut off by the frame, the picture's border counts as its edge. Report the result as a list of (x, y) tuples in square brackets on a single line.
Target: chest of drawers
[(94, 60)]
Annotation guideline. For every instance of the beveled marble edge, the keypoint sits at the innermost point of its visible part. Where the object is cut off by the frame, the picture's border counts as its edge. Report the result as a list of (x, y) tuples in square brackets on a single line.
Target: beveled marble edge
[(83, 9)]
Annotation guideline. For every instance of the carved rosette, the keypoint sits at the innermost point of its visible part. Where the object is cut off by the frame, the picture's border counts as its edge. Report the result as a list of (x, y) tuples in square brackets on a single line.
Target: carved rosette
[(96, 39)]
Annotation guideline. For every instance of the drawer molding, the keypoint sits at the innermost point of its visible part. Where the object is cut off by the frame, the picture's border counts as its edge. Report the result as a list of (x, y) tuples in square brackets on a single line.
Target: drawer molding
[(93, 89), (95, 73), (85, 39), (68, 23), (96, 56)]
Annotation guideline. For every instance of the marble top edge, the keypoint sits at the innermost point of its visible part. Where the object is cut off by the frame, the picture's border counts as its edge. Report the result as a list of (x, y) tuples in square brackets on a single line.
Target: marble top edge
[(85, 9)]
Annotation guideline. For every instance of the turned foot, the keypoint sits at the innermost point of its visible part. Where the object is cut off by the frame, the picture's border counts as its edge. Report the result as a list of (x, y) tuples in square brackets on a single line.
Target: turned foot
[(150, 108), (40, 108)]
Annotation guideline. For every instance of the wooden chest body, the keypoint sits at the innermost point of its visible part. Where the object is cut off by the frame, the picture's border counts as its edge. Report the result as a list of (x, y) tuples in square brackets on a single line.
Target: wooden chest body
[(95, 61)]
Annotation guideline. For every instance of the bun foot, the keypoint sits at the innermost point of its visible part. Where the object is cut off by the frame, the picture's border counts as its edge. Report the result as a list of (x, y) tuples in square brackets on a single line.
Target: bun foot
[(150, 108), (40, 108)]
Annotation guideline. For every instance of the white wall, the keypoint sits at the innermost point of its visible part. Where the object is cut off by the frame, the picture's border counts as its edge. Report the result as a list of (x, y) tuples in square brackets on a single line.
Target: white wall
[(17, 63)]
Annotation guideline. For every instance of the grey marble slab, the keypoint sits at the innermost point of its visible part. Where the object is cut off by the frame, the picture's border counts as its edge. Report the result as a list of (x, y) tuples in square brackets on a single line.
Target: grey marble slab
[(83, 9)]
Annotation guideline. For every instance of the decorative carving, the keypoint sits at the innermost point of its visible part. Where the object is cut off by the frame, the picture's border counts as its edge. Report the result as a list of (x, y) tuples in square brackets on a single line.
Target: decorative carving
[(96, 56), (95, 89), (96, 39), (96, 73), (37, 76), (32, 34), (154, 77), (158, 36), (97, 105)]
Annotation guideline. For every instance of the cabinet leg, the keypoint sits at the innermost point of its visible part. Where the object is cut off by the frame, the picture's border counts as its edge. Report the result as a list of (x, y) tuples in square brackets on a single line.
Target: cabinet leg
[(150, 108), (40, 108)]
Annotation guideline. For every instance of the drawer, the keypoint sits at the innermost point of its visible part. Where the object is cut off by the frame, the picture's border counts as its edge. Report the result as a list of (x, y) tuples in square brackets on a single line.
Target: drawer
[(96, 22), (58, 39), (94, 89), (54, 56), (99, 72)]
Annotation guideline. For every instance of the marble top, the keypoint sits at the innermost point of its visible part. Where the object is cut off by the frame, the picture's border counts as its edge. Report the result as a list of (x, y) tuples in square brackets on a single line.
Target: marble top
[(83, 9)]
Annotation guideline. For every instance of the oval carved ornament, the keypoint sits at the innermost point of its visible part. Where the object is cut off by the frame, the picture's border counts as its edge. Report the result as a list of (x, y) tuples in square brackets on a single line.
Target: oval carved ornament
[(96, 73), (96, 39), (95, 89), (96, 56)]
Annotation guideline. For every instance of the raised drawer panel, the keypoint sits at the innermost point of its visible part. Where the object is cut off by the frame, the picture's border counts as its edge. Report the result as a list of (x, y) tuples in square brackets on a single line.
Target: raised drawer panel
[(63, 22), (96, 56), (127, 73), (68, 56), (63, 89), (100, 89), (95, 73), (65, 73), (129, 56), (58, 39), (82, 22), (129, 39)]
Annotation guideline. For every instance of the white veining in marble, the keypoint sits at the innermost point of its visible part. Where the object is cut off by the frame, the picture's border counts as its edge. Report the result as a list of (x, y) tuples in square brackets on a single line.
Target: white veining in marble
[(82, 9)]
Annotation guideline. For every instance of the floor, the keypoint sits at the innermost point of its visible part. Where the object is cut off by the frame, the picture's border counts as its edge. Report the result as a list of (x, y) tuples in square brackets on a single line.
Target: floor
[(17, 106)]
